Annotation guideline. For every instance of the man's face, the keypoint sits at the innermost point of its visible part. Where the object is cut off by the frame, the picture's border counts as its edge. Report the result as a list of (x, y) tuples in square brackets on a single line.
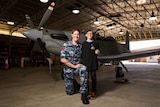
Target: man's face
[(89, 35), (75, 36)]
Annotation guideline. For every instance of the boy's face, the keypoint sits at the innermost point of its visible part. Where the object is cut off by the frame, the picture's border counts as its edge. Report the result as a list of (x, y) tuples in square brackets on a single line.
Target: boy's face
[(89, 35)]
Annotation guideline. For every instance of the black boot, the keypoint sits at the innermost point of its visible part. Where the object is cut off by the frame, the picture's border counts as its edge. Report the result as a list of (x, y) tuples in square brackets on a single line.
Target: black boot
[(84, 99)]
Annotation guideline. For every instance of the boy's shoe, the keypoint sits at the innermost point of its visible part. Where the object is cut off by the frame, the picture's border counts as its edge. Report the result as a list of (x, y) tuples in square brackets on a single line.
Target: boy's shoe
[(123, 80), (92, 96)]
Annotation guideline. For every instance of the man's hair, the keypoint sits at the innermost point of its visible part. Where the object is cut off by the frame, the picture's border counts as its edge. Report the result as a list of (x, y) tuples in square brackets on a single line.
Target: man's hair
[(75, 30)]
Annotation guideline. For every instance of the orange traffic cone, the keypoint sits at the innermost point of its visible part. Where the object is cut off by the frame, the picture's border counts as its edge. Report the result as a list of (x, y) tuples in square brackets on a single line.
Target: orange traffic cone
[(6, 66)]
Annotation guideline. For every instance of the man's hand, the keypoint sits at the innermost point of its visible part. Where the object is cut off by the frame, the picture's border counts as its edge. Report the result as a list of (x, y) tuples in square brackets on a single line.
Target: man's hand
[(78, 65)]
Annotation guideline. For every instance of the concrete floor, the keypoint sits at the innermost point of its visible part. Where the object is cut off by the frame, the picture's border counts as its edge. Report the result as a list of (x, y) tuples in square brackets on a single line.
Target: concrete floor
[(36, 87)]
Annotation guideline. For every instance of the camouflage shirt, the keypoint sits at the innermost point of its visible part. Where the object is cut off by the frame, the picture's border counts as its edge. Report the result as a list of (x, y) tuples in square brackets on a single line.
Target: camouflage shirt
[(72, 53)]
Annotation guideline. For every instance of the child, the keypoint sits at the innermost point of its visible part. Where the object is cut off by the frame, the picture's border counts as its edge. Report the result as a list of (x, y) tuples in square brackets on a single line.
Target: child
[(90, 50)]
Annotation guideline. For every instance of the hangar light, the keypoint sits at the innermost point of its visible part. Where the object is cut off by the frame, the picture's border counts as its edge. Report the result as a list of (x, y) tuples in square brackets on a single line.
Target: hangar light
[(112, 25), (10, 23), (75, 11), (96, 21), (153, 17), (141, 1), (121, 32), (44, 1)]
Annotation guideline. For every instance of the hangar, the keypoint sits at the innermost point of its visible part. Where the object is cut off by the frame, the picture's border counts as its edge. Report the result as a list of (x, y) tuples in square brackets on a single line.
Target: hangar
[(113, 16), (108, 18)]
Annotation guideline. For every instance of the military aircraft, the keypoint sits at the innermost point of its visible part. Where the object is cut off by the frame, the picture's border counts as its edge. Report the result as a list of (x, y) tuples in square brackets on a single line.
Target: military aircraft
[(51, 41)]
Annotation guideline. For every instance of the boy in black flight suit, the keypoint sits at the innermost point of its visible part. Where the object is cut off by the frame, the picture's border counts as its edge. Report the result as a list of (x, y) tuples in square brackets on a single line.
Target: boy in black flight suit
[(90, 50)]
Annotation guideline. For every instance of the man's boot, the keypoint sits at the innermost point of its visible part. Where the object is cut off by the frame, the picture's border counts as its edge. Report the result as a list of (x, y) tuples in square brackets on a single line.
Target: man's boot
[(84, 99)]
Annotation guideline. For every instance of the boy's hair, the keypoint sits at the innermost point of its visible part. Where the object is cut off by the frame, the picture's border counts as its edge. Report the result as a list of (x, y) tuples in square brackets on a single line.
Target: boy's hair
[(88, 31)]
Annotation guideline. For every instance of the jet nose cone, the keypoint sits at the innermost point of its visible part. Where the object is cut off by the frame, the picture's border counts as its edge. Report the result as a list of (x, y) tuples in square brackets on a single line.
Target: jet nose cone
[(25, 33), (33, 34)]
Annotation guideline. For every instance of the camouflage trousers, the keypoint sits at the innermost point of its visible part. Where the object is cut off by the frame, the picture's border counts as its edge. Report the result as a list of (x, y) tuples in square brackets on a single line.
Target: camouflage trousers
[(69, 82)]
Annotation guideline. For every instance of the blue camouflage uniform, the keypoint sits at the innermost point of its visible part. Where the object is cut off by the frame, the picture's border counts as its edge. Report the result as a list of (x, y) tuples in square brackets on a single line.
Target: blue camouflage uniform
[(73, 54)]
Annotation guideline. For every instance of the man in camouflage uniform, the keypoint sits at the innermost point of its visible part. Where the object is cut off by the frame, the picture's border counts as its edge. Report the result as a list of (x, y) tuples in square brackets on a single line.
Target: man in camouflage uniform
[(71, 57)]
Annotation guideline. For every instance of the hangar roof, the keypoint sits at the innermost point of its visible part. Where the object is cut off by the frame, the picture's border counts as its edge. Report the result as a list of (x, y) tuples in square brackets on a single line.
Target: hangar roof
[(123, 15)]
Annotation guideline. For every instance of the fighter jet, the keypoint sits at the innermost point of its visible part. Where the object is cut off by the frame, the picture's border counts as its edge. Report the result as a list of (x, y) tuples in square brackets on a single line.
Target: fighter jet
[(51, 41)]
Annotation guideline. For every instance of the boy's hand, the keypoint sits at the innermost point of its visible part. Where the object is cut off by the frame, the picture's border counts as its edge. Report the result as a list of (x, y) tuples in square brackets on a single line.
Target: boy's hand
[(97, 51)]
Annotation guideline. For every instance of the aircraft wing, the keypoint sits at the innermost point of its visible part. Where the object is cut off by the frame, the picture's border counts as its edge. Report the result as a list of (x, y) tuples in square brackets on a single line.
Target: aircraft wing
[(131, 55)]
